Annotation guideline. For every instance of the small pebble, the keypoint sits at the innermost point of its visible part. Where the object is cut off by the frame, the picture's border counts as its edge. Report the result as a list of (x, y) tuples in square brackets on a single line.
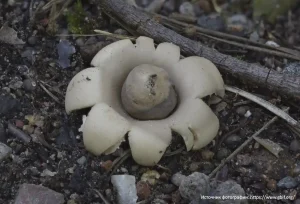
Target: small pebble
[(11, 2), (295, 146), (32, 40), (194, 166), (177, 179), (143, 190), (212, 21), (256, 145), (72, 202), (28, 129), (296, 169), (229, 188), (194, 185), (79, 41), (8, 105), (248, 114), (123, 170), (107, 165), (223, 153), (120, 31), (272, 43), (187, 8), (254, 37), (65, 49), (169, 6), (242, 110), (207, 155), (233, 141), (47, 173), (16, 85), (272, 185), (278, 69), (81, 160), (109, 194), (244, 160), (150, 177), (238, 24), (38, 194), (134, 168), (19, 124), (29, 54), (207, 167), (287, 183), (5, 151), (29, 85)]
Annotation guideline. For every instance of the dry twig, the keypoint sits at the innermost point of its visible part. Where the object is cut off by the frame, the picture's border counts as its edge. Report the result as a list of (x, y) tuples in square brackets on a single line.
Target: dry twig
[(140, 23), (50, 94), (242, 146), (119, 161), (101, 196)]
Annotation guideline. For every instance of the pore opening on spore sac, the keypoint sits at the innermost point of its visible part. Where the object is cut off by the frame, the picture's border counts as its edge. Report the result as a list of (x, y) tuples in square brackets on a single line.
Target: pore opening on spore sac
[(148, 93)]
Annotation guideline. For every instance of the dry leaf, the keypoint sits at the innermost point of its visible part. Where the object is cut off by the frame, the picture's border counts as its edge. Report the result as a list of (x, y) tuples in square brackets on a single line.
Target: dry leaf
[(269, 145)]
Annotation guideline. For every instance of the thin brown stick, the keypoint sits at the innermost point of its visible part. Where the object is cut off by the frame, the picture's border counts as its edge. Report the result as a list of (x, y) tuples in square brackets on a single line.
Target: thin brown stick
[(253, 48), (166, 20), (50, 94), (238, 44), (119, 161), (143, 24), (242, 146), (102, 197), (232, 132)]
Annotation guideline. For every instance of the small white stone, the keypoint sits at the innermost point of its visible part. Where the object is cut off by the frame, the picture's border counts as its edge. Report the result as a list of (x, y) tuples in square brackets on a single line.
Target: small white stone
[(248, 114), (272, 43), (5, 151)]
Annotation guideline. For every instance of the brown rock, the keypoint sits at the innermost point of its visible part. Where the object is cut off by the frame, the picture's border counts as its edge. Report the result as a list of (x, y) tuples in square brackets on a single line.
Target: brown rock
[(143, 190), (107, 165), (37, 194)]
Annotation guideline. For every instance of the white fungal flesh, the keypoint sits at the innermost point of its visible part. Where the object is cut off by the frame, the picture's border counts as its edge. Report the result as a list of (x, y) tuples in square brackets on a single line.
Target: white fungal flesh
[(148, 141), (103, 128), (195, 122), (108, 122), (85, 90)]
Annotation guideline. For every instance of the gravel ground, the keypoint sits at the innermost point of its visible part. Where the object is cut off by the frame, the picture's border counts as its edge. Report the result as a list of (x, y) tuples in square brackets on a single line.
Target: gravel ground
[(41, 149)]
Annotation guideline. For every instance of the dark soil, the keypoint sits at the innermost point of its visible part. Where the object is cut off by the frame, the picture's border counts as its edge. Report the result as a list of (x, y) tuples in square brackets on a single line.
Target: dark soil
[(57, 145)]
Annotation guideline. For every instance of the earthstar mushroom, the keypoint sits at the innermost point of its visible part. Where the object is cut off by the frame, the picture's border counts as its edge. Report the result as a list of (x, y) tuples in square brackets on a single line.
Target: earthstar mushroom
[(147, 93)]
